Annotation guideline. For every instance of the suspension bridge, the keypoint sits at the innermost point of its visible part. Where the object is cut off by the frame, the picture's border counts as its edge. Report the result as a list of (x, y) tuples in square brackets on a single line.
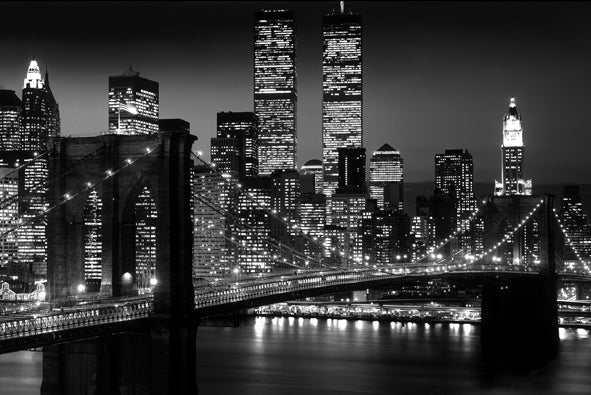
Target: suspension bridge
[(518, 264)]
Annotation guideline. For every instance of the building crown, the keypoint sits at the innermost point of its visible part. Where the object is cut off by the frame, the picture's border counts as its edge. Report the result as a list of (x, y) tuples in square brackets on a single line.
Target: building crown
[(33, 79)]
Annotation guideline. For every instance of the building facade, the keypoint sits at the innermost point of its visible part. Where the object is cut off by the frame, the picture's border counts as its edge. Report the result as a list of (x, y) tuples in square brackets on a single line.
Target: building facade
[(275, 94), (235, 148), (10, 121)]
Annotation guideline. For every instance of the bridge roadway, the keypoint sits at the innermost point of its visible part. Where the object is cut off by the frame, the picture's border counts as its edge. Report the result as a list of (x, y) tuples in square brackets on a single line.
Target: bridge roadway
[(88, 318)]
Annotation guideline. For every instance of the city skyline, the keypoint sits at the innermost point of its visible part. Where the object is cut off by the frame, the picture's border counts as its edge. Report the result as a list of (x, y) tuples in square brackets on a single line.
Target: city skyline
[(419, 84)]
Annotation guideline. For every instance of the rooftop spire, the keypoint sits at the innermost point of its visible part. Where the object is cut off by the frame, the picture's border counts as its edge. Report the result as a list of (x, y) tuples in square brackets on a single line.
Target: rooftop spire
[(513, 108), (342, 7)]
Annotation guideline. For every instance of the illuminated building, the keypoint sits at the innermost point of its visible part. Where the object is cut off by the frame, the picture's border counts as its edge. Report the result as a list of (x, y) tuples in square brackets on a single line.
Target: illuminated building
[(513, 180), (574, 222), (454, 176), (386, 177), (32, 243), (347, 210), (235, 149), (93, 210), (313, 168), (214, 207), (255, 252), (275, 95), (133, 104), (10, 120), (8, 218), (342, 91), (312, 220), (40, 112)]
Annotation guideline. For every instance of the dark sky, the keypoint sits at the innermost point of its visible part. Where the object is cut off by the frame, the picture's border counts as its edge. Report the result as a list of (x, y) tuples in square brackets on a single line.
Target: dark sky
[(436, 75)]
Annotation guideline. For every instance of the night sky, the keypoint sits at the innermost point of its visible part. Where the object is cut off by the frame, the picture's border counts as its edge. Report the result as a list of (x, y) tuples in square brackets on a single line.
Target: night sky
[(436, 75)]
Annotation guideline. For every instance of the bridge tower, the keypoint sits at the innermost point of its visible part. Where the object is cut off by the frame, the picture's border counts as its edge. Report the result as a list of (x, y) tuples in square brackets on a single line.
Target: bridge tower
[(519, 313), (162, 163)]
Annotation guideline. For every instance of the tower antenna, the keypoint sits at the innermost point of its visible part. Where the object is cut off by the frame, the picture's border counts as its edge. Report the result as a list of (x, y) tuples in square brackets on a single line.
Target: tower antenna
[(34, 44)]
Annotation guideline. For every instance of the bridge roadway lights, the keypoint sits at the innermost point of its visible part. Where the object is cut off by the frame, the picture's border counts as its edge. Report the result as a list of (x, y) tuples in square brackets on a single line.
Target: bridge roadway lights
[(519, 319)]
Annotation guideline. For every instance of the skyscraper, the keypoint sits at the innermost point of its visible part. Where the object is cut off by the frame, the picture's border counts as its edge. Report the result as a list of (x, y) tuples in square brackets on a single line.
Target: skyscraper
[(513, 180), (133, 104), (386, 176), (235, 149), (40, 119), (342, 90), (40, 111), (10, 121), (275, 95), (454, 176)]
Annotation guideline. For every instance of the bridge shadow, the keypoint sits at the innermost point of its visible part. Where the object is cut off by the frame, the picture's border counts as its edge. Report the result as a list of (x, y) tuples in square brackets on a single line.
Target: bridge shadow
[(158, 360)]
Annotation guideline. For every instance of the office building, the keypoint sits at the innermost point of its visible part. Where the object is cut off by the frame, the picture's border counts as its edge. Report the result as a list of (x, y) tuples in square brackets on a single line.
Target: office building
[(133, 104), (386, 177), (10, 121), (235, 148), (342, 121), (313, 168), (275, 96)]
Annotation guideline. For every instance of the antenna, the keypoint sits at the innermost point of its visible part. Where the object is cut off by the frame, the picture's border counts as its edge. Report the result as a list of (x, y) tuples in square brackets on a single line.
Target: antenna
[(34, 44)]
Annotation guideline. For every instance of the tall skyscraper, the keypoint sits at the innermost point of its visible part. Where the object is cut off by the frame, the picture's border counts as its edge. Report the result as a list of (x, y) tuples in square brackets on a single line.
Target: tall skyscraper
[(513, 180), (386, 176), (342, 91), (133, 104), (275, 95), (10, 121), (454, 176), (40, 111), (8, 218), (235, 149), (40, 120)]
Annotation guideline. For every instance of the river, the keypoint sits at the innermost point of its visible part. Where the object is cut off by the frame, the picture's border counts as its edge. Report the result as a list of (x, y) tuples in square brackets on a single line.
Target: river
[(315, 356)]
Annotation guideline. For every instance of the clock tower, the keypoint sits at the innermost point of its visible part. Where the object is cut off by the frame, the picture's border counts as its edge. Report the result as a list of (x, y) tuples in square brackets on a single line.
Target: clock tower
[(512, 181)]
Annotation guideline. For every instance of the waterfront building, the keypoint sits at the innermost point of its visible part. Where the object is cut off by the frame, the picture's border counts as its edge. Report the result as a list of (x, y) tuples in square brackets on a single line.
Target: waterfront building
[(386, 177), (275, 95), (513, 180), (342, 91)]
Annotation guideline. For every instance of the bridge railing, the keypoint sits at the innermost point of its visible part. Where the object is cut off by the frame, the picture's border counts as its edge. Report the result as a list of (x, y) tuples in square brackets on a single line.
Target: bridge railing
[(18, 326)]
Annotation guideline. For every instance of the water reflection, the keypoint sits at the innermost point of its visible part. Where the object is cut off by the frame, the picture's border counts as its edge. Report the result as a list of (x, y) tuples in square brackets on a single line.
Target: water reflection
[(271, 356)]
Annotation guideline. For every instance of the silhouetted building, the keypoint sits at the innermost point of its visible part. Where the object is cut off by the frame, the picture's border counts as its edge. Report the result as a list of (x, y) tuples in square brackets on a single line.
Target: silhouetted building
[(342, 91), (10, 120), (133, 104), (235, 149), (275, 95), (513, 180), (313, 168), (351, 170), (454, 176), (386, 177)]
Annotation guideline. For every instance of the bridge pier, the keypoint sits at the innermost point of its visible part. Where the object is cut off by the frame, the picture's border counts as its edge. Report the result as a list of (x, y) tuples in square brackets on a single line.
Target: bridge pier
[(519, 319)]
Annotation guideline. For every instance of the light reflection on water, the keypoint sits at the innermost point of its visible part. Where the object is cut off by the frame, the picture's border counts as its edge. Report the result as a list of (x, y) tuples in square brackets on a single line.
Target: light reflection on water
[(269, 356)]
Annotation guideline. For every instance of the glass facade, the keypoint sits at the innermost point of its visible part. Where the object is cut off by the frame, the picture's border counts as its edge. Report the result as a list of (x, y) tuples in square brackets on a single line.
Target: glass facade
[(342, 91), (275, 96)]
